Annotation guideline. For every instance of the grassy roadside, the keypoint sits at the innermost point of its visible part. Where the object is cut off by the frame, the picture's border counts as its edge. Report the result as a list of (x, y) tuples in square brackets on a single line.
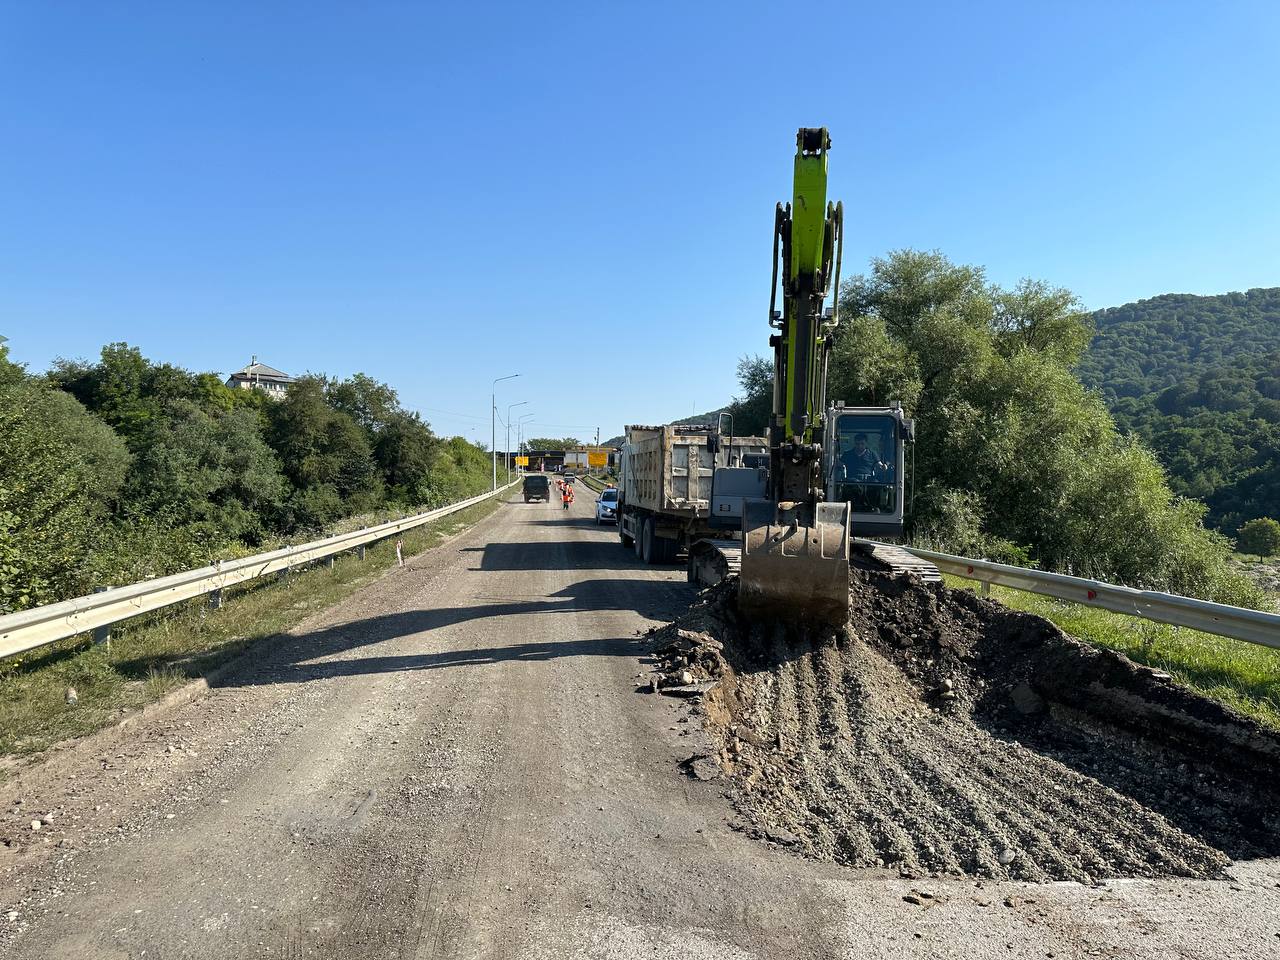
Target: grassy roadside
[(1244, 676), (598, 483), (153, 655)]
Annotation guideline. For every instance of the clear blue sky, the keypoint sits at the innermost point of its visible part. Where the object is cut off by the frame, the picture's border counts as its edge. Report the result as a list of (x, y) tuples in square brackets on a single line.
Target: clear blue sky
[(438, 194)]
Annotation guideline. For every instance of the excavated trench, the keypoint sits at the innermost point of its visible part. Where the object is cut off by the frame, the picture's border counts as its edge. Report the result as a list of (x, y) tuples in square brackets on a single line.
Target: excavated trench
[(944, 733)]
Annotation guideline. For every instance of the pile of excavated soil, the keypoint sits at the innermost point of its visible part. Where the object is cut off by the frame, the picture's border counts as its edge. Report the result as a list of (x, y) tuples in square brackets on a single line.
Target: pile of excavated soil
[(943, 733)]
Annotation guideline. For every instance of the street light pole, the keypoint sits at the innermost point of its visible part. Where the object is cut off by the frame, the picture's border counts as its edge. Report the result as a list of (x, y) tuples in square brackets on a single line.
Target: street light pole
[(493, 426), (507, 452)]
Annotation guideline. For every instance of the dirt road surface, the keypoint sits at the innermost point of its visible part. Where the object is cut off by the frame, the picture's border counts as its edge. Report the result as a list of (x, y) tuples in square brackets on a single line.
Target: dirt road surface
[(455, 763)]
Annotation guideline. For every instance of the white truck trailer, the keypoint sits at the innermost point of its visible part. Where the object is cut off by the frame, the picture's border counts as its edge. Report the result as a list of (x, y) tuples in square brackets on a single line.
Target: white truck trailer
[(681, 484)]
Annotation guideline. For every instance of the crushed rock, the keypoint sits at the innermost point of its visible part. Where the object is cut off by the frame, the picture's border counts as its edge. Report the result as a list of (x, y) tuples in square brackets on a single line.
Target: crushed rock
[(943, 733)]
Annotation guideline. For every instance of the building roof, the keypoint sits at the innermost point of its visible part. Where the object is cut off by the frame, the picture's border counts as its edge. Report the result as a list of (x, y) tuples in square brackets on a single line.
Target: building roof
[(260, 371)]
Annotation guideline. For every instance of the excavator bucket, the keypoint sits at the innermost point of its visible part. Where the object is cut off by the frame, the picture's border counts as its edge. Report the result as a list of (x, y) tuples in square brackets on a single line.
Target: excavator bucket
[(791, 571)]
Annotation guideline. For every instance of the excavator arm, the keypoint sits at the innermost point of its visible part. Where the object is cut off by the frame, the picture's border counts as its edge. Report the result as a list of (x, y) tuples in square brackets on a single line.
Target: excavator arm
[(808, 237), (795, 554)]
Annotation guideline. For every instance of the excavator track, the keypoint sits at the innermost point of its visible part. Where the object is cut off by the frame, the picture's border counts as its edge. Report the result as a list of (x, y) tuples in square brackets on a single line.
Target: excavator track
[(898, 560)]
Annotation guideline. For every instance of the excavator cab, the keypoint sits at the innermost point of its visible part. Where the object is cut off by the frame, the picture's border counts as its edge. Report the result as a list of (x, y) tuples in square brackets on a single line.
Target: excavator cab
[(865, 464)]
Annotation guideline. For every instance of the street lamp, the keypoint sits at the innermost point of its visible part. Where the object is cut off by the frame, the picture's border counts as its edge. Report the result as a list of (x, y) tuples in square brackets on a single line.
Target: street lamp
[(493, 427), (507, 424)]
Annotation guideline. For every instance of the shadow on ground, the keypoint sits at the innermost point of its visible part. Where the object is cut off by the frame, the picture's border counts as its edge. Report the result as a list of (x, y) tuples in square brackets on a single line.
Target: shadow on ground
[(556, 555), (302, 657)]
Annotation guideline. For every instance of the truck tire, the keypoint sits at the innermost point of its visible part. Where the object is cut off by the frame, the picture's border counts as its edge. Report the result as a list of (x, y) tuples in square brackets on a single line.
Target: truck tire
[(656, 550), (638, 543)]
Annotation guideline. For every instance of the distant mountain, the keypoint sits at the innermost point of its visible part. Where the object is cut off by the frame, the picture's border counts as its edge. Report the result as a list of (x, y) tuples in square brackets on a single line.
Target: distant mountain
[(1198, 379)]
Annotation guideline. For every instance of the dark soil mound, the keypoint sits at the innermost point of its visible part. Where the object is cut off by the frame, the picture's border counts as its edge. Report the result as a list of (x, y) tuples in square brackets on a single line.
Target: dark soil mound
[(945, 733)]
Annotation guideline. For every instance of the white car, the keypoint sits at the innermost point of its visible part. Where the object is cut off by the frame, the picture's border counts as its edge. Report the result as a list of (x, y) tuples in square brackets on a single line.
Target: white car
[(607, 506)]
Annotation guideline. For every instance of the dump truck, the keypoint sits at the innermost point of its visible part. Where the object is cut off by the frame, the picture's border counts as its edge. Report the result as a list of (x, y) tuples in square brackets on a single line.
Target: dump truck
[(679, 484)]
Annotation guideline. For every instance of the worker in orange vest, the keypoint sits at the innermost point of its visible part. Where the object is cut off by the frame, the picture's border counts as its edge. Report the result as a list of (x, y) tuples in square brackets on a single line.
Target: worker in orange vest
[(566, 494)]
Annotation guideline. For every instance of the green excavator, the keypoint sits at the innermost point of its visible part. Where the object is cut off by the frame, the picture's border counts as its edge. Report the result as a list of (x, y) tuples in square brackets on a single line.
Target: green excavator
[(834, 472)]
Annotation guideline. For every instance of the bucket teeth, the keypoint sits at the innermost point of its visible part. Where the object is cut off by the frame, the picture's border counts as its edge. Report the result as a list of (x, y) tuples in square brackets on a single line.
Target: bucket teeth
[(795, 572)]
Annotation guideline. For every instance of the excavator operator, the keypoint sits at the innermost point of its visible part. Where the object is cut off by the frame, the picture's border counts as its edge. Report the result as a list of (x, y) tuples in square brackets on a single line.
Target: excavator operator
[(860, 463)]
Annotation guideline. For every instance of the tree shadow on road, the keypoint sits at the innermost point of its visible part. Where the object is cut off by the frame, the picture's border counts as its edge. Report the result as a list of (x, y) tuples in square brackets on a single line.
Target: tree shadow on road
[(555, 555), (302, 658)]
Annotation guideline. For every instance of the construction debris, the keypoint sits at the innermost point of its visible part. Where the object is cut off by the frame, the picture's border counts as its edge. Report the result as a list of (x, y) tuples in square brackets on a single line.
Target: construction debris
[(942, 733)]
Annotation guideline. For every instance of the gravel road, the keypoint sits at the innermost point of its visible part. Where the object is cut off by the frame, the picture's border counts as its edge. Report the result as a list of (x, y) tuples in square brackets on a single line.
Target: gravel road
[(455, 762)]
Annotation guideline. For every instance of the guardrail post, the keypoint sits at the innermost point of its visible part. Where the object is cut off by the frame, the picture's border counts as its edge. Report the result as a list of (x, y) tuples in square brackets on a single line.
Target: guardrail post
[(986, 588), (102, 634), (282, 575), (215, 599), (360, 549), (328, 562)]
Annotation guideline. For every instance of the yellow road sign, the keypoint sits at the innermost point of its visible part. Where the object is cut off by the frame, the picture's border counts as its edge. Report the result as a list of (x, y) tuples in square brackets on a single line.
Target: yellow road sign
[(522, 461), (597, 458)]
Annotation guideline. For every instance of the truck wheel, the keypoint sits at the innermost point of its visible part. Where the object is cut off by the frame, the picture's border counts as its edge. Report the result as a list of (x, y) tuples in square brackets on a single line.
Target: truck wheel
[(654, 546), (639, 543)]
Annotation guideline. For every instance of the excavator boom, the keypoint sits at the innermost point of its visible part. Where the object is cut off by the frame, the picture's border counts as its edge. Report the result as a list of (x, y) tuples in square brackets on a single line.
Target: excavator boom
[(795, 554)]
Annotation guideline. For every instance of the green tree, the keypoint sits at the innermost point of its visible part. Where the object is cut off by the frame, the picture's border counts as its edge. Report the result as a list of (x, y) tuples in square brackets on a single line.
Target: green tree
[(1260, 536), (751, 410), (368, 402), (406, 452), (325, 454), (1015, 459), (124, 388), (551, 443), (461, 470), (213, 470), (59, 471)]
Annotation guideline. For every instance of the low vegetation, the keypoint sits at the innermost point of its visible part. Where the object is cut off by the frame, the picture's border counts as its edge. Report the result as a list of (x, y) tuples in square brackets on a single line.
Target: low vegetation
[(1244, 676)]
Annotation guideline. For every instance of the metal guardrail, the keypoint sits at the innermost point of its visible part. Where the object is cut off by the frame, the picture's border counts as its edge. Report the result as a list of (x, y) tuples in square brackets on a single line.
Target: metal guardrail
[(1238, 623), (29, 629), (595, 483)]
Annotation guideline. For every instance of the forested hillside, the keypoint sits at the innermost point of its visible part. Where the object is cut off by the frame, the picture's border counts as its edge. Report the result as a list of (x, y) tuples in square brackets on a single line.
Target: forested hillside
[(123, 469), (1198, 379), (1015, 459)]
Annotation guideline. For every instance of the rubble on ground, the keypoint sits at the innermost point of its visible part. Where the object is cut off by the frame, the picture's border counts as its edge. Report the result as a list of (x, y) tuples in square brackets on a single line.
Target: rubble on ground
[(943, 733)]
